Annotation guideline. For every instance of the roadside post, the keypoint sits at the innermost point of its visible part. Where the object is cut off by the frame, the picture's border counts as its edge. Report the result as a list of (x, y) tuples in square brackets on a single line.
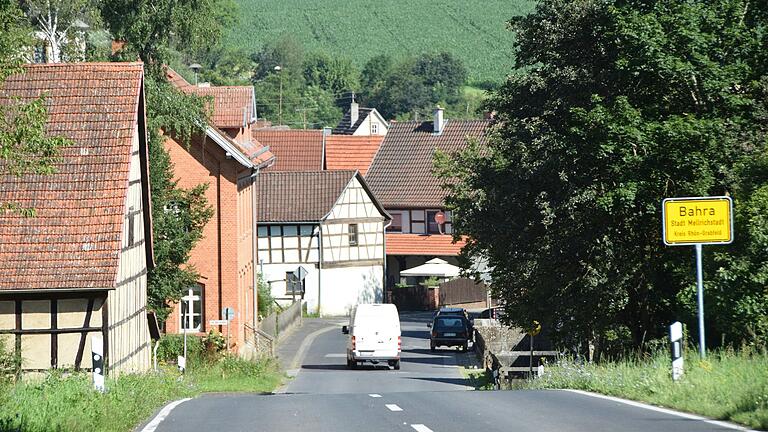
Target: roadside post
[(698, 221), (97, 357), (228, 314), (534, 331), (676, 349)]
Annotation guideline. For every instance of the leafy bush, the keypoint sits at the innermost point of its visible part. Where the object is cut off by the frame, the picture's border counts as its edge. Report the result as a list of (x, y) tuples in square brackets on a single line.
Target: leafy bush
[(266, 301), (172, 346), (10, 364)]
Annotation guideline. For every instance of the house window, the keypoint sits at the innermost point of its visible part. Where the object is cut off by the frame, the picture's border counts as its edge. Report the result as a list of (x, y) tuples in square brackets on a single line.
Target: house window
[(286, 243), (353, 234), (374, 128), (292, 284), (397, 223), (192, 309), (432, 227)]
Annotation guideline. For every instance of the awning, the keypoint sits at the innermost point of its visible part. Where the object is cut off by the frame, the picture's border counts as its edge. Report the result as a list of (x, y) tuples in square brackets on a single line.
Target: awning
[(434, 267)]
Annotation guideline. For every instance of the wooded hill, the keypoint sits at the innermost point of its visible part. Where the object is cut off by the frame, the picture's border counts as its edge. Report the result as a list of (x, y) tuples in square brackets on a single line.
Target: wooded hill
[(474, 32)]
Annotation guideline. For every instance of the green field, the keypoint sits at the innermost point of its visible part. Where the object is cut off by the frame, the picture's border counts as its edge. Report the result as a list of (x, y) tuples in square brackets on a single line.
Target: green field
[(473, 31)]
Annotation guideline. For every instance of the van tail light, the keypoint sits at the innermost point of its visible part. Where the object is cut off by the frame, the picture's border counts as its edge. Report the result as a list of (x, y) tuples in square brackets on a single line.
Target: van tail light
[(399, 343), (434, 333), (353, 343)]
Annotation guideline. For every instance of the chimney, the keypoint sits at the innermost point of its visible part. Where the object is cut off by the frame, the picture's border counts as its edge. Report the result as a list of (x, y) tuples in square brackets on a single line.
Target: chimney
[(437, 123), (354, 113)]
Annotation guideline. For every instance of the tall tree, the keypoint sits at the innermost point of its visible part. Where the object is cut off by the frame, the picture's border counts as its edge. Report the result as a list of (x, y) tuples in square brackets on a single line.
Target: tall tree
[(25, 147), (58, 21), (152, 30), (617, 105)]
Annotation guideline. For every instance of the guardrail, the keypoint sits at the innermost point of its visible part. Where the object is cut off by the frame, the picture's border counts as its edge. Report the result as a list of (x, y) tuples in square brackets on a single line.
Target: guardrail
[(262, 342)]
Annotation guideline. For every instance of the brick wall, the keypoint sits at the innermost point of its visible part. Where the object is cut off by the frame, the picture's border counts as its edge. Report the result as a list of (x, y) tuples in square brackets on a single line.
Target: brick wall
[(223, 256)]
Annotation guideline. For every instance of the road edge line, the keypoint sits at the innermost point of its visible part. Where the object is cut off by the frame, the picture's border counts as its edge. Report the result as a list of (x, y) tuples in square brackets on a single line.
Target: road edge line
[(719, 423), (152, 425), (298, 358)]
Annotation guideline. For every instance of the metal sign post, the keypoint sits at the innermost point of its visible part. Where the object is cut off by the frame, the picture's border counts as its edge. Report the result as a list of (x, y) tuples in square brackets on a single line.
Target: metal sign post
[(698, 221)]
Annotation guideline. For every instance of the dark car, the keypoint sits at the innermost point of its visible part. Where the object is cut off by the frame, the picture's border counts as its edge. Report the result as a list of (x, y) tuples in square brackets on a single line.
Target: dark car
[(450, 330), (460, 312)]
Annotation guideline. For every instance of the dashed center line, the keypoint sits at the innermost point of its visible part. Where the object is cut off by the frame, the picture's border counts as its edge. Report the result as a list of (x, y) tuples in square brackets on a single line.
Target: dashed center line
[(374, 395), (421, 428), (393, 407)]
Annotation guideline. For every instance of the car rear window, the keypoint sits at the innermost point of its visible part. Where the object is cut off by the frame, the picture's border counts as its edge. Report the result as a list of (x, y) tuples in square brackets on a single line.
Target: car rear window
[(449, 323)]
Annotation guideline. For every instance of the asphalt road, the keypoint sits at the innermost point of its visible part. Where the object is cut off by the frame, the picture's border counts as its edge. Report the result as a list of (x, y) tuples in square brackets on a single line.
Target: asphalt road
[(427, 394)]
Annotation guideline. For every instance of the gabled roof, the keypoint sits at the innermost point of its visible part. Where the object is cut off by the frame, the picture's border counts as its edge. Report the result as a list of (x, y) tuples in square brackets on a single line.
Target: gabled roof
[(233, 106), (419, 244), (295, 150), (401, 172), (291, 197), (74, 240), (345, 126), (351, 152)]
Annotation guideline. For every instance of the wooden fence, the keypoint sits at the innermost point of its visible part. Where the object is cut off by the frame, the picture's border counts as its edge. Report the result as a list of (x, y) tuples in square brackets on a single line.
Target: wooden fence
[(462, 291)]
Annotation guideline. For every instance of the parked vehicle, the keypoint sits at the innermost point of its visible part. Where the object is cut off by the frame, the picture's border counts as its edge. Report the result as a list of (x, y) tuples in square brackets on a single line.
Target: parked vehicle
[(450, 330), (460, 312), (374, 335)]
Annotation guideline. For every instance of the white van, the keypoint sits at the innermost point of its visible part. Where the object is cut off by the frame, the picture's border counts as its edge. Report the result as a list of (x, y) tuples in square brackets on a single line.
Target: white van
[(374, 335)]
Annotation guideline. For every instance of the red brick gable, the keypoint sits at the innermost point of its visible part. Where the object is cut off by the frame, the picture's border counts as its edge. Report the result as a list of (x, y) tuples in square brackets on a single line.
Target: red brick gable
[(74, 240)]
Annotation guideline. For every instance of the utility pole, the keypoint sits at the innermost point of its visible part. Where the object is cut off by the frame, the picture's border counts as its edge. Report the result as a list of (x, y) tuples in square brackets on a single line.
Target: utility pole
[(279, 70), (303, 112)]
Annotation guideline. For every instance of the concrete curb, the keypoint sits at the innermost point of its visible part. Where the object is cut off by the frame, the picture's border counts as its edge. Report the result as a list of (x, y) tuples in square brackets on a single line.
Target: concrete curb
[(298, 358)]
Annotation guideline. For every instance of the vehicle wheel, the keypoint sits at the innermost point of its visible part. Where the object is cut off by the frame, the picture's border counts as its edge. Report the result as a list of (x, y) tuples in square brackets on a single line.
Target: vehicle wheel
[(432, 347), (397, 364)]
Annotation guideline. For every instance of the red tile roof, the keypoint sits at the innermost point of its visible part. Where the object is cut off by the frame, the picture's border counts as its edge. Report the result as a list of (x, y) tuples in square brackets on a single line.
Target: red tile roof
[(232, 105), (74, 240), (351, 152), (401, 173), (419, 244), (295, 150)]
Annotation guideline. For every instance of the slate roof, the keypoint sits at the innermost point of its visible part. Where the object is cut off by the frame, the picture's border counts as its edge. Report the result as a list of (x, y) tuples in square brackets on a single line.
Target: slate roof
[(351, 152), (401, 172), (295, 150), (299, 196), (419, 244), (345, 127), (232, 105), (74, 240)]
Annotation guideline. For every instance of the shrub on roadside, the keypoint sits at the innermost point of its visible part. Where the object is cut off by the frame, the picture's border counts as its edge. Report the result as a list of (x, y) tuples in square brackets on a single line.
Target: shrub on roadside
[(10, 364), (172, 346)]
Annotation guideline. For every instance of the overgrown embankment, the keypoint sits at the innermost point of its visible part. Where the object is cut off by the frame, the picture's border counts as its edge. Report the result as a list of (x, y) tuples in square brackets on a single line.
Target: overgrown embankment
[(68, 402), (728, 385)]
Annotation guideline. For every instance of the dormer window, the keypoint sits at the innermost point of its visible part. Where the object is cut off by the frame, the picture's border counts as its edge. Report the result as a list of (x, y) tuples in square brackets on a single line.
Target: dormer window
[(374, 128)]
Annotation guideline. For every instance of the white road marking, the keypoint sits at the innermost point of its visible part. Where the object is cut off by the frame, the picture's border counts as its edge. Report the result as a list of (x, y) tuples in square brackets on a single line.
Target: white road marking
[(374, 395), (335, 355), (151, 426), (663, 410), (421, 428), (393, 407)]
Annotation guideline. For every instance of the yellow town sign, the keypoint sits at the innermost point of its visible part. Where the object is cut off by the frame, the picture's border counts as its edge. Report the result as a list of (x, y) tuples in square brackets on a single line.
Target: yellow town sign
[(688, 221)]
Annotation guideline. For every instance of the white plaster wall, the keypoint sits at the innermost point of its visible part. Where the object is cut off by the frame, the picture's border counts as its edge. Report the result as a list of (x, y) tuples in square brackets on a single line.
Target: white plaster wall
[(342, 288)]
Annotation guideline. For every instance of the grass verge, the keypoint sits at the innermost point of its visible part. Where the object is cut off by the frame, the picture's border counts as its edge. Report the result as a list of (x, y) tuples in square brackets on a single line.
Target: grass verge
[(68, 402), (480, 379), (728, 385)]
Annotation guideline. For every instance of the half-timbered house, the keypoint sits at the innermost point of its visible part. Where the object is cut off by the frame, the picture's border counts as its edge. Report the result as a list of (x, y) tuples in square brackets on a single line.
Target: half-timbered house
[(76, 271), (324, 231)]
